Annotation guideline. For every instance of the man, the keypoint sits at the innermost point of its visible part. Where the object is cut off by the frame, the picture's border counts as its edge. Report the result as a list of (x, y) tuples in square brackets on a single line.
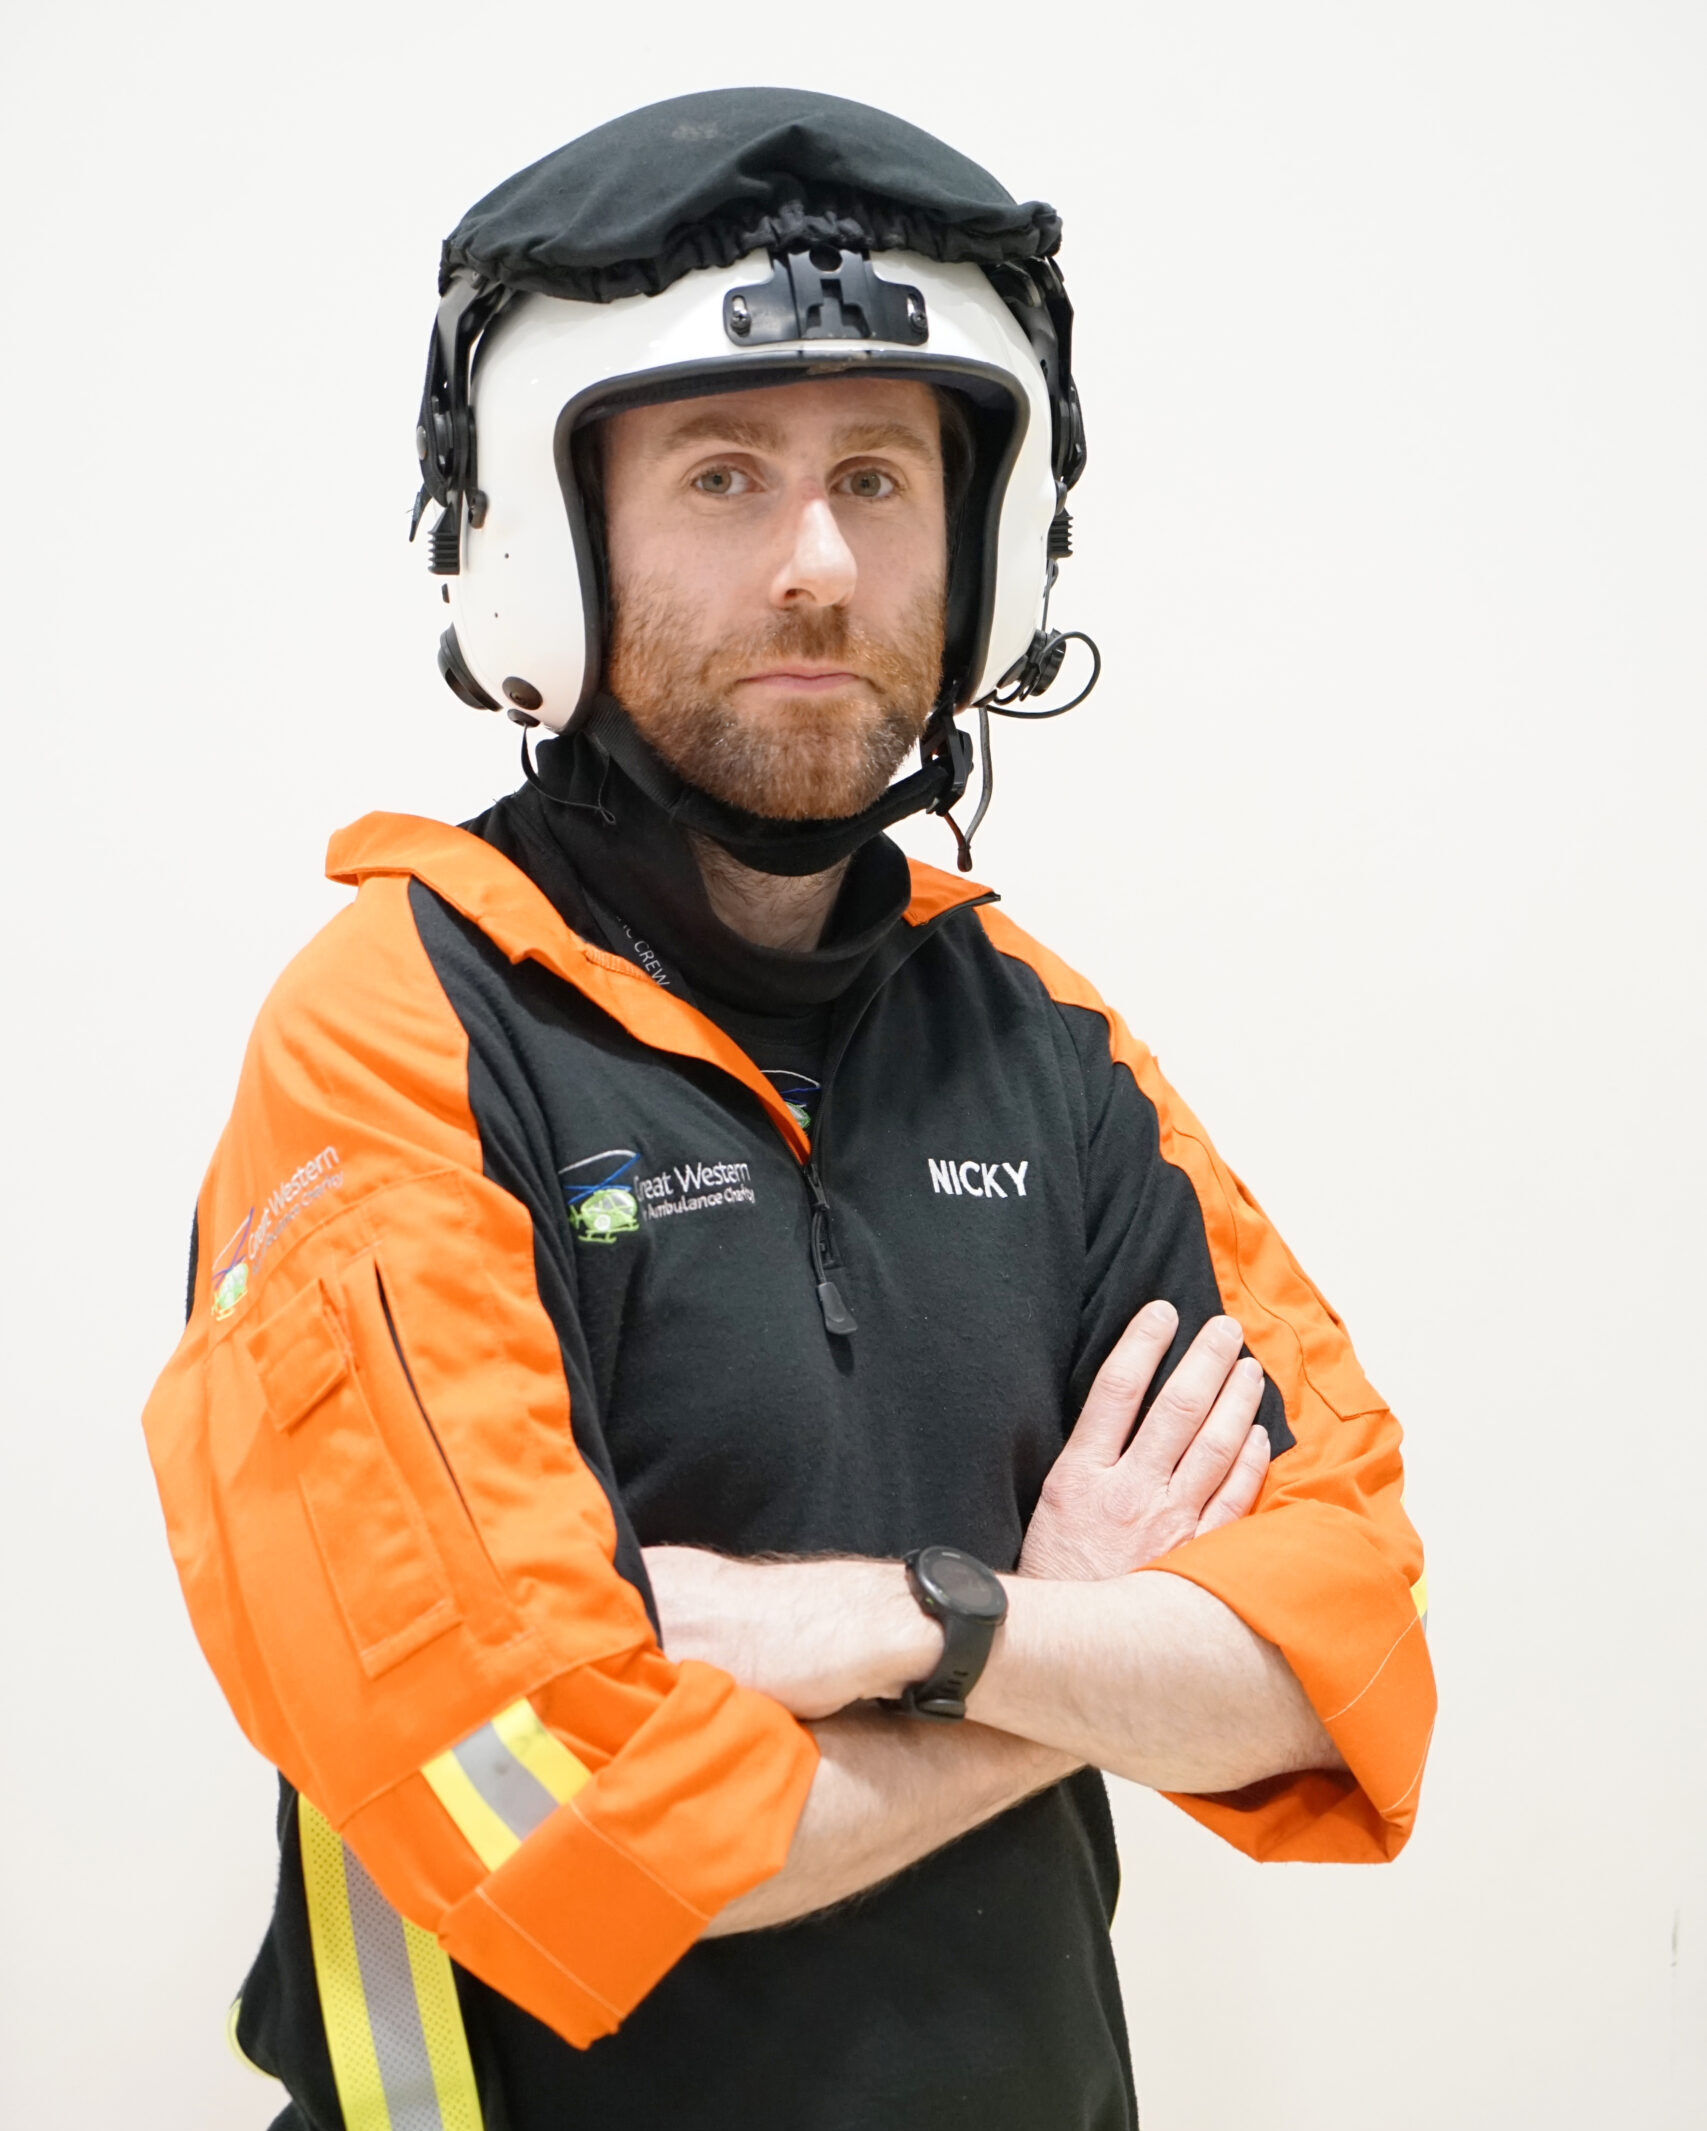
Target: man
[(653, 1454)]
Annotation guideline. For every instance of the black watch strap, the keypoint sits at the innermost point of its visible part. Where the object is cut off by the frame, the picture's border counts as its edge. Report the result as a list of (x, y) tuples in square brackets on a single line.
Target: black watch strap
[(967, 1600)]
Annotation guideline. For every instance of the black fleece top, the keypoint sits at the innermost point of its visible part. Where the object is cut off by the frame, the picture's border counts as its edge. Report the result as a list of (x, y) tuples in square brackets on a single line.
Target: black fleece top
[(994, 1208)]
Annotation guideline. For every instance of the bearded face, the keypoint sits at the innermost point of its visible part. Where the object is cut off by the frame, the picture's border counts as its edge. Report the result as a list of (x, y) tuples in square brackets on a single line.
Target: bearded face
[(801, 754), (778, 565)]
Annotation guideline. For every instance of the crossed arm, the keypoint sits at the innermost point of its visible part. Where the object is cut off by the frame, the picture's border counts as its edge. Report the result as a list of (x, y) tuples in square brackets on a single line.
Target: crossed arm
[(1146, 1676)]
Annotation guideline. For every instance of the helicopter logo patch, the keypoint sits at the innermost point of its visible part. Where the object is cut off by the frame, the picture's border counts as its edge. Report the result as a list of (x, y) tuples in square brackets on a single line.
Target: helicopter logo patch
[(606, 1200), (602, 1206)]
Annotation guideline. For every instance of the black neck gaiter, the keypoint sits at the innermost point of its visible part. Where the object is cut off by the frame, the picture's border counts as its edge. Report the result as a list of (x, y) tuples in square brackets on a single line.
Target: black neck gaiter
[(621, 870)]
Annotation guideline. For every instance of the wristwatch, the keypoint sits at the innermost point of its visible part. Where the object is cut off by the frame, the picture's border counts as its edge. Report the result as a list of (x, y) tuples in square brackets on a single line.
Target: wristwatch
[(957, 1590)]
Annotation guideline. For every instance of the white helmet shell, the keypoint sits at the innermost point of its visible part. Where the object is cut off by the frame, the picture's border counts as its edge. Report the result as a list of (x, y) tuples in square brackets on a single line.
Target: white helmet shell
[(526, 599)]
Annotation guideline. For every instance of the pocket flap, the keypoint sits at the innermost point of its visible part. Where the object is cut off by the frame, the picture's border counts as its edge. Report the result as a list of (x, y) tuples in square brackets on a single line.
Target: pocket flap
[(298, 1355)]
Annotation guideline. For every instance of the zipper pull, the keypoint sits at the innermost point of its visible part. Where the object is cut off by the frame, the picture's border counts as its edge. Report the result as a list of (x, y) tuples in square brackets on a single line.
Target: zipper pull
[(838, 1317)]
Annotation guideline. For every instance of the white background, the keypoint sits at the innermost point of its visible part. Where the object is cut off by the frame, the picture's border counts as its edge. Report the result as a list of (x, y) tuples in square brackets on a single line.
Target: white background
[(1385, 829)]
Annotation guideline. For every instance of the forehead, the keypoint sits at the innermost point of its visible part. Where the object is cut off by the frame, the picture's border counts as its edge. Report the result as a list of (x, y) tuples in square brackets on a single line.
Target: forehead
[(815, 415)]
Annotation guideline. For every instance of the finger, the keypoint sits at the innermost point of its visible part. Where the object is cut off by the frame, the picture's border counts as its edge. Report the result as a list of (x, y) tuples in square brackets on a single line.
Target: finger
[(1101, 1430), (1185, 1402), (1209, 1458), (1237, 1493)]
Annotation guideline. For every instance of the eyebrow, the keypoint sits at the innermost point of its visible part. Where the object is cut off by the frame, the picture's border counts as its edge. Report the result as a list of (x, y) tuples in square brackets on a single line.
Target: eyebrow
[(885, 436), (755, 434)]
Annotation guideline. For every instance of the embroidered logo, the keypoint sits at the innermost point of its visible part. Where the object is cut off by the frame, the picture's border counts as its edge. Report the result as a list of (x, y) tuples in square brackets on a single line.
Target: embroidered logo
[(601, 1206), (800, 1094), (231, 1270), (235, 1268), (606, 1199), (694, 1187)]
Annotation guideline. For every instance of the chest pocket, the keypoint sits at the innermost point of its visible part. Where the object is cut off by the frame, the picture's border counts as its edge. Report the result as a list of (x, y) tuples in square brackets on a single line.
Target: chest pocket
[(379, 1557)]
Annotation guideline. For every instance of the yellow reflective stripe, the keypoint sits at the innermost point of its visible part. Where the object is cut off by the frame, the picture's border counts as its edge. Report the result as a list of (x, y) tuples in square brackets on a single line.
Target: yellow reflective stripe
[(394, 2027), (343, 2003), (503, 1781), (485, 1834), (442, 2030), (1419, 1594), (541, 1751)]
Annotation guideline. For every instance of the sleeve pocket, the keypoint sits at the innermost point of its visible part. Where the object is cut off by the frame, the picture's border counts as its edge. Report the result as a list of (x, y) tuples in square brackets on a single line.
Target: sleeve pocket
[(380, 1560)]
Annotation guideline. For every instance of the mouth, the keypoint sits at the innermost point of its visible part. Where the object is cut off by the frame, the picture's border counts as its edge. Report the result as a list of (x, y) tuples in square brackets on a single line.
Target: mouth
[(802, 680)]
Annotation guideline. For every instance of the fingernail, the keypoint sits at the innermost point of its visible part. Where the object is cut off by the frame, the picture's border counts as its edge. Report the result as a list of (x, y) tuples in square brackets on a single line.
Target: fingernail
[(1158, 1316), (1251, 1366), (1229, 1331)]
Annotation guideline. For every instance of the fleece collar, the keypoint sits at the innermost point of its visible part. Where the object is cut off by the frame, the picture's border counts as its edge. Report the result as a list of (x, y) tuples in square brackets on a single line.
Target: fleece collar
[(519, 919)]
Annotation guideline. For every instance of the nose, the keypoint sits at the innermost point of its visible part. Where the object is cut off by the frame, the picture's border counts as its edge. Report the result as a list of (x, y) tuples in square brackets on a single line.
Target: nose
[(819, 569)]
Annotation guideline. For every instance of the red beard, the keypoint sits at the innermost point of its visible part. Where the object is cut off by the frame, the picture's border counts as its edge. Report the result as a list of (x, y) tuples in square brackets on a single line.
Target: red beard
[(818, 757)]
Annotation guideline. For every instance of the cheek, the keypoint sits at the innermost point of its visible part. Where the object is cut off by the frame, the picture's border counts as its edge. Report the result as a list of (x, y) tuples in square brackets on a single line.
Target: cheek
[(703, 570), (898, 569), (649, 576)]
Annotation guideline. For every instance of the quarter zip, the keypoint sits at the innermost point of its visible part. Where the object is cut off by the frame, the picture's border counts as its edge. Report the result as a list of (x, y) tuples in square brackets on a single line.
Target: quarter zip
[(839, 1319)]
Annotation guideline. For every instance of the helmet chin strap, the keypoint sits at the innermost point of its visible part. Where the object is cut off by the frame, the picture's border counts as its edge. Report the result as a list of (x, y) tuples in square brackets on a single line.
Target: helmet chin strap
[(790, 848)]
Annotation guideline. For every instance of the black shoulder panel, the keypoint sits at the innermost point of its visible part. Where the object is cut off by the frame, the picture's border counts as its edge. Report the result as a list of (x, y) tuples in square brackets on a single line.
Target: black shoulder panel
[(1145, 1234), (507, 1013)]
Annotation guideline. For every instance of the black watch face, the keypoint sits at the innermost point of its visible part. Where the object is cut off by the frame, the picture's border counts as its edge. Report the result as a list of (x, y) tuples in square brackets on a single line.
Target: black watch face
[(963, 1584)]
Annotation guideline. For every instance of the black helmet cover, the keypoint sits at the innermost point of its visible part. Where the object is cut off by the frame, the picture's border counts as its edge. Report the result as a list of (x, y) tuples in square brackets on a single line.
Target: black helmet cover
[(702, 180)]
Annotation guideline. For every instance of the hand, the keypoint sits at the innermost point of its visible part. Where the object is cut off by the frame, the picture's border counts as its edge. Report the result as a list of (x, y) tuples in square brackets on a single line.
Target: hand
[(1109, 1505), (816, 1636)]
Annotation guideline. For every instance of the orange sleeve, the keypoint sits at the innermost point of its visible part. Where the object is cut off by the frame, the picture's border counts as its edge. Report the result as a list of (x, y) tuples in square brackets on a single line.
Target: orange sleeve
[(396, 1554), (1327, 1566)]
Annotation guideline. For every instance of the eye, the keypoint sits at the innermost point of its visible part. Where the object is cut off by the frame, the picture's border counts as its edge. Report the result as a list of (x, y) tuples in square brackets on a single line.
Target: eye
[(721, 481), (870, 483)]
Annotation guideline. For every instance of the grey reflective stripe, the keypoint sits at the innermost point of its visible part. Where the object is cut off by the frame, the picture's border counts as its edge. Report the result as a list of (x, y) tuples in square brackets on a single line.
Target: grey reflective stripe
[(394, 2015), (513, 1792)]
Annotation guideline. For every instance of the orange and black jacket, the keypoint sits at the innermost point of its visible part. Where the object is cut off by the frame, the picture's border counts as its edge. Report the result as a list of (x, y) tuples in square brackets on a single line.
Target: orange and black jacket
[(512, 1260)]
